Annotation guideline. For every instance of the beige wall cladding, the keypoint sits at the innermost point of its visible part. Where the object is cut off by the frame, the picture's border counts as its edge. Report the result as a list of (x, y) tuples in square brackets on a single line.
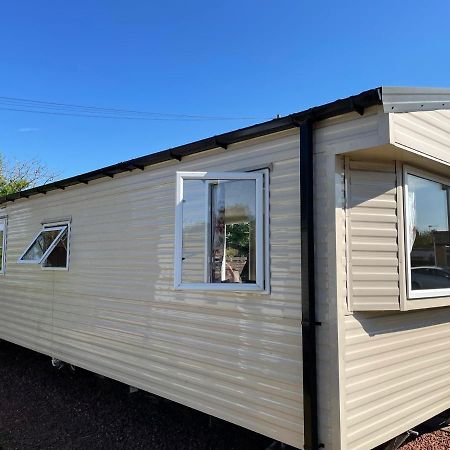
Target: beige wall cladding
[(333, 136), (426, 133), (327, 286), (397, 367), (352, 131), (115, 312), (373, 264)]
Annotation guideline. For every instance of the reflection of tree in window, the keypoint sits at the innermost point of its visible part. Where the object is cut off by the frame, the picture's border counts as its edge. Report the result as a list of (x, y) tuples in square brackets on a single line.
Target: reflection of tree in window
[(41, 245), (233, 223), (238, 249), (49, 248)]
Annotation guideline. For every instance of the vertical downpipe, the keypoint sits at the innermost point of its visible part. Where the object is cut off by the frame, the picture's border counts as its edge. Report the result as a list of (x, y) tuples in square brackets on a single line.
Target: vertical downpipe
[(308, 286)]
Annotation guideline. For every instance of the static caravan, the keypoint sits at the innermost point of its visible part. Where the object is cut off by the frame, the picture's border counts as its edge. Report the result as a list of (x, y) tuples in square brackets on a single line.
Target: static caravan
[(292, 277)]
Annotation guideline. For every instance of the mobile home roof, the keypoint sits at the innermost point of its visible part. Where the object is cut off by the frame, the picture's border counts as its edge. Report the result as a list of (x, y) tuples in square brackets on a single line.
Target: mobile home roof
[(393, 99)]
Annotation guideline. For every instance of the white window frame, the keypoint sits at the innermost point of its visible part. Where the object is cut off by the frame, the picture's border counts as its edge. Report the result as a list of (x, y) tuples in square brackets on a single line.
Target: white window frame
[(262, 231), (422, 293), (69, 228), (54, 226), (4, 223)]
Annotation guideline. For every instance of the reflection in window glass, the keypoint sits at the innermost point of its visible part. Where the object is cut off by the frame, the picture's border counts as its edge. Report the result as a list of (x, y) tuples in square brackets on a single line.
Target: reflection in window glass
[(1, 249), (428, 206), (220, 219), (40, 246), (58, 256), (2, 244), (193, 253), (233, 224)]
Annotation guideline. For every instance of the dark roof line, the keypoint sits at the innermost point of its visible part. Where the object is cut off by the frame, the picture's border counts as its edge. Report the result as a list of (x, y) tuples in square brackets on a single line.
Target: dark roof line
[(356, 103)]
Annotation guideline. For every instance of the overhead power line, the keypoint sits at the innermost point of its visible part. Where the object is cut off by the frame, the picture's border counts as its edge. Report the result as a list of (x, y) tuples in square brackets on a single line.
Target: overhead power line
[(68, 109)]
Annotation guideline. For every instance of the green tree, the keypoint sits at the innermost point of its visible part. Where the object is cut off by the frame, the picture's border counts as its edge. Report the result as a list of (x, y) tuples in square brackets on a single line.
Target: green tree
[(18, 176), (238, 236)]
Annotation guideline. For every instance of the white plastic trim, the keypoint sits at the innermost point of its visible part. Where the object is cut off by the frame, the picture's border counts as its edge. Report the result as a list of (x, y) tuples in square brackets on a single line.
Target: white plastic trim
[(422, 293), (262, 231)]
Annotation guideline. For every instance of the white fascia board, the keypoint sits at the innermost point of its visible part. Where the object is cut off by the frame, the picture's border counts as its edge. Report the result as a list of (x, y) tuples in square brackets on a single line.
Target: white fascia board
[(411, 99)]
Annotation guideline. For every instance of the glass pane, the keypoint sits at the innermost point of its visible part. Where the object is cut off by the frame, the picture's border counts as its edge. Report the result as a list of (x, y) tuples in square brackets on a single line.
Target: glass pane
[(58, 256), (1, 247), (233, 225), (194, 228), (429, 235), (40, 245)]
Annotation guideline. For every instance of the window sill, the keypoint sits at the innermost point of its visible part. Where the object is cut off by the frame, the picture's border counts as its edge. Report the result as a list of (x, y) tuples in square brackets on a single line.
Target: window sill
[(427, 302), (222, 287)]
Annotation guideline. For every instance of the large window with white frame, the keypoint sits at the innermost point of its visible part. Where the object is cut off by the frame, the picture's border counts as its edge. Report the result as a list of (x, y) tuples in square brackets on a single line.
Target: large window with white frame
[(427, 228), (49, 248), (222, 231), (2, 245)]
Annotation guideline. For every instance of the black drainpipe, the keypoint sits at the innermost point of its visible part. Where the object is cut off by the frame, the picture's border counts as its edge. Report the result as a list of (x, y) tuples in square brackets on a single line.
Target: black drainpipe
[(307, 267), (309, 323)]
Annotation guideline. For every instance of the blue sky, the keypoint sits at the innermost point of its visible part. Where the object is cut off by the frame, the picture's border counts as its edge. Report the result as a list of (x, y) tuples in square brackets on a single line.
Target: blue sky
[(236, 59)]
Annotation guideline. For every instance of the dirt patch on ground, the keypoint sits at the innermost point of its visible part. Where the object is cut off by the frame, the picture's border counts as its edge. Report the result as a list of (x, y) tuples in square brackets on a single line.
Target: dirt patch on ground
[(43, 408)]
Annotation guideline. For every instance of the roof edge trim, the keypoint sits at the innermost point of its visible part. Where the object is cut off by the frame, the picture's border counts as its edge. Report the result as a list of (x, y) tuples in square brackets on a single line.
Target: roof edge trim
[(404, 99), (354, 103)]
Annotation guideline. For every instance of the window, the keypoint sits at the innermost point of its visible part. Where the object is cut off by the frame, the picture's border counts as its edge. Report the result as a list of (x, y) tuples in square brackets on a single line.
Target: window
[(50, 248), (2, 245), (427, 205), (222, 231)]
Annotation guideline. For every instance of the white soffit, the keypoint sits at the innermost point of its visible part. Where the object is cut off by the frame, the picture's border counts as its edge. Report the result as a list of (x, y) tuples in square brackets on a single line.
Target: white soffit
[(410, 99)]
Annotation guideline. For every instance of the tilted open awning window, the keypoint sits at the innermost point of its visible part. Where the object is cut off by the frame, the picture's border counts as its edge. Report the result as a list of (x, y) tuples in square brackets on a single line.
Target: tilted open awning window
[(43, 244)]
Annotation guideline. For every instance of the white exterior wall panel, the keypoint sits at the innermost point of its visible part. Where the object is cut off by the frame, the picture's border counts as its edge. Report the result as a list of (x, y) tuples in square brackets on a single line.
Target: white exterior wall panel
[(115, 312)]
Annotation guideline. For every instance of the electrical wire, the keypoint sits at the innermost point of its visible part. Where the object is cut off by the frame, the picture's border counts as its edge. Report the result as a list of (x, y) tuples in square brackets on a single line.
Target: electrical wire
[(68, 109)]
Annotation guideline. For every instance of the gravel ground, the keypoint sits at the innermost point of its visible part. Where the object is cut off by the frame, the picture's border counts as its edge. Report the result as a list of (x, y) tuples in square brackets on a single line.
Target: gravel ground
[(43, 408), (436, 440), (433, 434)]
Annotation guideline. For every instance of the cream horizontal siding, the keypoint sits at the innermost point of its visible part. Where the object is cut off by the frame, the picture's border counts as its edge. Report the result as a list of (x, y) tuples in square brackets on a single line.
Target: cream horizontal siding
[(426, 133), (115, 312), (373, 265), (352, 131), (345, 133), (396, 364), (397, 367), (326, 309)]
